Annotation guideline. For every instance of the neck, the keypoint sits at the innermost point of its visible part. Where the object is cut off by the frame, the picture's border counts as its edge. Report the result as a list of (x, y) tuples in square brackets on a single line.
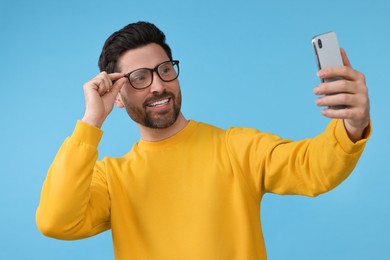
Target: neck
[(154, 135)]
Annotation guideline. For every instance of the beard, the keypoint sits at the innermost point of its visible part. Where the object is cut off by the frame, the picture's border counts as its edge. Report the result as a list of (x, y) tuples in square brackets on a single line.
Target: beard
[(156, 119)]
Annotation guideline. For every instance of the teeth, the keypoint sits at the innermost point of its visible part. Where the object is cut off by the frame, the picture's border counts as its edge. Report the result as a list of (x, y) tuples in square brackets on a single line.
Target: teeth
[(159, 103)]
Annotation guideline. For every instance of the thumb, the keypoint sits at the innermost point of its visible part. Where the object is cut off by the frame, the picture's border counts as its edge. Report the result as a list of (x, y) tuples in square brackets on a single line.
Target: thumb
[(116, 87), (345, 58)]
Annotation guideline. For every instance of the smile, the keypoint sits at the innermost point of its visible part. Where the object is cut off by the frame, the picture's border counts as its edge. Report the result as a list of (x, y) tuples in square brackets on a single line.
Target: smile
[(159, 102)]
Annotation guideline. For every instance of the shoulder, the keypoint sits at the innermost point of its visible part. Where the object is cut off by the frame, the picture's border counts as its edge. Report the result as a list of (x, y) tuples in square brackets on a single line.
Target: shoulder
[(246, 133), (238, 136)]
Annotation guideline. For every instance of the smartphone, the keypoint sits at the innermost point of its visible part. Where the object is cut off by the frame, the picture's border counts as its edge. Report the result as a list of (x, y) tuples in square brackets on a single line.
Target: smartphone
[(327, 52)]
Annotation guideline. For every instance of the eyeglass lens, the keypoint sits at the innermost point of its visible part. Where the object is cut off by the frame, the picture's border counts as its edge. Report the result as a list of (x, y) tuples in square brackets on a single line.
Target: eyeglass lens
[(142, 78)]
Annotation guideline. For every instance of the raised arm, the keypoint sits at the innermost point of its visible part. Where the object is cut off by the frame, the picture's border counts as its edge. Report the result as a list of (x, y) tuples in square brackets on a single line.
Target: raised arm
[(74, 200)]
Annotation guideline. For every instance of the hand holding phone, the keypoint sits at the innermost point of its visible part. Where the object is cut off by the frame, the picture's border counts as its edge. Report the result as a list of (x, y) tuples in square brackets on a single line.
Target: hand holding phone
[(353, 91), (328, 54)]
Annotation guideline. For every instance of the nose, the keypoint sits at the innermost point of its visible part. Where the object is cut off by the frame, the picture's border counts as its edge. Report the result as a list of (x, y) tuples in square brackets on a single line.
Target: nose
[(158, 86)]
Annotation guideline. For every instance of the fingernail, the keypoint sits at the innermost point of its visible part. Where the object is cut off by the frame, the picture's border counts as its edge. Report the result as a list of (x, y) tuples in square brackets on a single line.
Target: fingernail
[(321, 73)]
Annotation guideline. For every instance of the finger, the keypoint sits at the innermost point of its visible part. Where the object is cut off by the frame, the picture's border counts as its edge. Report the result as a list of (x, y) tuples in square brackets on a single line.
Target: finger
[(115, 76), (340, 99), (94, 84), (338, 86), (98, 83), (107, 83), (345, 59), (339, 113), (116, 87), (335, 72)]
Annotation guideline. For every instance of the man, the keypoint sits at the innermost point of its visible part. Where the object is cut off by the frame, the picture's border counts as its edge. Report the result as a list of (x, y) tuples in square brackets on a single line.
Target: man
[(187, 190)]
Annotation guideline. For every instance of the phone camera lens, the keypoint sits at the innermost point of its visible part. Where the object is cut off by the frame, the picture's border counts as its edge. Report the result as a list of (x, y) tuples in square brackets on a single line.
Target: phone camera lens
[(319, 43)]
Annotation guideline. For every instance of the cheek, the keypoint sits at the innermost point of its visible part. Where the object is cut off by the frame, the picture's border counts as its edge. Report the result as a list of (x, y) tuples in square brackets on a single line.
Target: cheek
[(131, 98)]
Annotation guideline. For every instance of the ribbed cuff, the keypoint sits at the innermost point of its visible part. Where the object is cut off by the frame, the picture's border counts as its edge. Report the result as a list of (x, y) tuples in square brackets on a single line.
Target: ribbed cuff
[(345, 142), (87, 133)]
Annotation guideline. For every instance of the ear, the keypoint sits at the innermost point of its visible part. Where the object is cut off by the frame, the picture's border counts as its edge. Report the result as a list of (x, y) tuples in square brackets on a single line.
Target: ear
[(119, 101)]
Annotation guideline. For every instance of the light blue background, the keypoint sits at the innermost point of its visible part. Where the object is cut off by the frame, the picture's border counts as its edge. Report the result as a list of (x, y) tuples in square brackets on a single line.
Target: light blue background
[(243, 63)]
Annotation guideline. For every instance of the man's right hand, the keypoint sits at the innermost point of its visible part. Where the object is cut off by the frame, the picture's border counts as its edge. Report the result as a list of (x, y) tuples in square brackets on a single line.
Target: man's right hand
[(100, 94)]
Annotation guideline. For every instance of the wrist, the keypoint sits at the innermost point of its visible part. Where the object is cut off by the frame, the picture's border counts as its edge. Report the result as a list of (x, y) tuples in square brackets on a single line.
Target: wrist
[(355, 133), (92, 121)]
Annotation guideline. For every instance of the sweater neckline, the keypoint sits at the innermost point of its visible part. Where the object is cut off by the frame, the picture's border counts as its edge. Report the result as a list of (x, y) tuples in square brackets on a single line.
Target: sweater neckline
[(177, 138)]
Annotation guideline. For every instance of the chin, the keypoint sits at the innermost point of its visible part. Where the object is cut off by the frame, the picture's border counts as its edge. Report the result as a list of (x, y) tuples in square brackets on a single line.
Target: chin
[(160, 124)]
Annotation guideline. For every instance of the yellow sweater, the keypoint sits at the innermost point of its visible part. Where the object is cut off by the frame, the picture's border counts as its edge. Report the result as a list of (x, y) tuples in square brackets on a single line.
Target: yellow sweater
[(195, 195)]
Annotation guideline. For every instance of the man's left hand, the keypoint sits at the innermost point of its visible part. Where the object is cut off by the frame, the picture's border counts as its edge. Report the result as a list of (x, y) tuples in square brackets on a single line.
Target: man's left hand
[(351, 91)]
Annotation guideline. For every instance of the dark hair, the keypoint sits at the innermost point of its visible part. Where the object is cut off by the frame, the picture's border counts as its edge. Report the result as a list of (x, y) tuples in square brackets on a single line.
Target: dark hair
[(132, 36)]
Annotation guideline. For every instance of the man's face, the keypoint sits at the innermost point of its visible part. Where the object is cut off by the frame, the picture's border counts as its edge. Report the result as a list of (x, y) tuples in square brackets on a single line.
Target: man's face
[(157, 106)]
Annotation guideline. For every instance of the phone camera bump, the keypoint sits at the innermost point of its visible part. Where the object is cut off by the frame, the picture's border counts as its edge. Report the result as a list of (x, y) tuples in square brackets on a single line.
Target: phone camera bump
[(319, 43)]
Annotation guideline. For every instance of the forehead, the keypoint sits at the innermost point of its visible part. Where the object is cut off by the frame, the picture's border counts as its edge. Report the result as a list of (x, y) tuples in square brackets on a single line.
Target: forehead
[(147, 56)]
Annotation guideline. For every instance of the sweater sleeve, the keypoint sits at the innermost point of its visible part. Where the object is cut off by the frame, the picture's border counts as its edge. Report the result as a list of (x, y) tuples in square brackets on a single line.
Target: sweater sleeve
[(307, 167), (74, 200)]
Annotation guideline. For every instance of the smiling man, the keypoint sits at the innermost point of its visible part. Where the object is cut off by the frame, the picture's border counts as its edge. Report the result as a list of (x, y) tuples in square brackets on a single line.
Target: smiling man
[(187, 190), (154, 103)]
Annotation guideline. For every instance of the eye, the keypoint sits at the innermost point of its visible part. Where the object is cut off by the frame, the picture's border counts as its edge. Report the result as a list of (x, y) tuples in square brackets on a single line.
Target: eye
[(138, 76), (165, 69)]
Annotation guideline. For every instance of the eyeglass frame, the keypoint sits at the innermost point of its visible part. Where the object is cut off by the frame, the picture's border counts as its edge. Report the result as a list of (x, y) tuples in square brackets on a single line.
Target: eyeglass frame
[(155, 69)]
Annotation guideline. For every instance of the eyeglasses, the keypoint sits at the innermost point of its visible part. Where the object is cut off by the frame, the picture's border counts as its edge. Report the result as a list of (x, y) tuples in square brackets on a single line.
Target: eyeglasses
[(143, 78)]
